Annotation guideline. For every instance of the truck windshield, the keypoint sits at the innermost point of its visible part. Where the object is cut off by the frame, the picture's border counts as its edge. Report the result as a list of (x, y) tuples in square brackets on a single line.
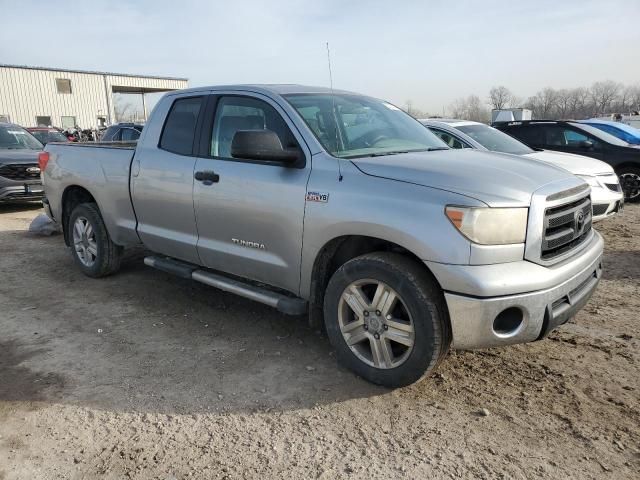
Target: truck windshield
[(495, 140), (13, 137), (351, 126)]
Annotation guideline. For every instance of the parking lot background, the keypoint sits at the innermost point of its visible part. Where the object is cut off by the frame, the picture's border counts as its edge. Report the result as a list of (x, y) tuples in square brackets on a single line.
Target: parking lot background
[(145, 375)]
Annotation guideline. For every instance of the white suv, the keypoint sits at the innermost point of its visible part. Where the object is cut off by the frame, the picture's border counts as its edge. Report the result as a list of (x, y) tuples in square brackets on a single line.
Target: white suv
[(606, 193)]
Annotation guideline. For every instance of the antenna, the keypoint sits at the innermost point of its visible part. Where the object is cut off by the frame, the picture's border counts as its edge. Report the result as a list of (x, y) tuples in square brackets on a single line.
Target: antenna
[(333, 110)]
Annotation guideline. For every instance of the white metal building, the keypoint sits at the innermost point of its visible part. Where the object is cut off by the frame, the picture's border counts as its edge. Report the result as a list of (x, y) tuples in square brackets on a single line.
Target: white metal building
[(33, 96)]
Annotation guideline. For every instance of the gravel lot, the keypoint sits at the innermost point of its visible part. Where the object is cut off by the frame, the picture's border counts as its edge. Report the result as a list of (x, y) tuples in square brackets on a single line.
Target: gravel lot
[(143, 375)]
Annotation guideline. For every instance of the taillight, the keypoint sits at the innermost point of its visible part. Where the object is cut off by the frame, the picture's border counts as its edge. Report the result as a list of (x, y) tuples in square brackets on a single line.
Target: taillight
[(43, 159)]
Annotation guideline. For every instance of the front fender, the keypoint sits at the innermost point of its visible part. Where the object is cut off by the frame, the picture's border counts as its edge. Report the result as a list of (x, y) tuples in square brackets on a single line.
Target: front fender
[(411, 216)]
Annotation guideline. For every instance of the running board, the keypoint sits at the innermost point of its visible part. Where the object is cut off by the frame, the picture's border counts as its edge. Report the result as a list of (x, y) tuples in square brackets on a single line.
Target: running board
[(283, 303)]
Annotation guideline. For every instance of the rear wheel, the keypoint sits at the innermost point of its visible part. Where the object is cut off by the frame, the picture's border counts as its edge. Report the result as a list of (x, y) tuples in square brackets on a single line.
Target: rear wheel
[(386, 319), (91, 246), (630, 183)]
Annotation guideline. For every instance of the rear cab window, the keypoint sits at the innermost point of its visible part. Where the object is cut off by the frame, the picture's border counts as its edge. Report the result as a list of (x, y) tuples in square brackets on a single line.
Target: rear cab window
[(179, 128)]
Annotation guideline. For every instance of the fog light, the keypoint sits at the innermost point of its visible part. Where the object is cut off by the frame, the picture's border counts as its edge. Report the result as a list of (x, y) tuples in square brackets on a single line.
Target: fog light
[(508, 321)]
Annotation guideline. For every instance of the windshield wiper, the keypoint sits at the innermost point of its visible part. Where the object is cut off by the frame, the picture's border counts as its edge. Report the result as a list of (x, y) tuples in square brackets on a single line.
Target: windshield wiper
[(382, 154), (396, 152)]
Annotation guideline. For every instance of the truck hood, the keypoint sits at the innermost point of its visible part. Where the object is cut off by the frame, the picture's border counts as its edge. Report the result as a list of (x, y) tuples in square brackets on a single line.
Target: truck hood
[(18, 156), (496, 179), (576, 164)]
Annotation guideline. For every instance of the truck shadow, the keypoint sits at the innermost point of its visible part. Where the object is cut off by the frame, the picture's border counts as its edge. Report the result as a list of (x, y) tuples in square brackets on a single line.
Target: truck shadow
[(19, 207), (143, 340)]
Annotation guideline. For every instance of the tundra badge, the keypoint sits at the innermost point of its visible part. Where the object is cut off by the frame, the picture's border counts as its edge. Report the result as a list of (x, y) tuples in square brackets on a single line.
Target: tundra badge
[(245, 243)]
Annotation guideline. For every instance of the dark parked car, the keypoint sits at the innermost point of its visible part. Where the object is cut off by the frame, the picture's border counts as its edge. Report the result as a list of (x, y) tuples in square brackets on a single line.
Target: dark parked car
[(583, 139), (122, 132), (47, 134), (19, 169)]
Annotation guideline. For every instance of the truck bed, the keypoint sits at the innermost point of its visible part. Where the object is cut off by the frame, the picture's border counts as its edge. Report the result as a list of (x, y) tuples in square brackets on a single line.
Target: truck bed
[(118, 145), (103, 170)]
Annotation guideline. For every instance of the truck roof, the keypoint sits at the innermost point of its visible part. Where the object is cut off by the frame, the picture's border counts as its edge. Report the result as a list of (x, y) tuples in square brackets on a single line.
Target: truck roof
[(273, 88)]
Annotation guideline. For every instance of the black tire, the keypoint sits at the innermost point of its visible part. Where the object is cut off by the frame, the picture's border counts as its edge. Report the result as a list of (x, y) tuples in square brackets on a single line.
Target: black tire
[(108, 256), (630, 182), (424, 301)]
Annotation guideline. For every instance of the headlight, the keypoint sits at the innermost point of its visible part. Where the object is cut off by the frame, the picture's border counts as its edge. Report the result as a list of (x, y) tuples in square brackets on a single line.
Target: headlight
[(593, 181), (490, 226)]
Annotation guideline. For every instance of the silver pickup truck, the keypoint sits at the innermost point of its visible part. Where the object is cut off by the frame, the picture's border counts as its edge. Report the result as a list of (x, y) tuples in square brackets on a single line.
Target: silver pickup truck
[(340, 206)]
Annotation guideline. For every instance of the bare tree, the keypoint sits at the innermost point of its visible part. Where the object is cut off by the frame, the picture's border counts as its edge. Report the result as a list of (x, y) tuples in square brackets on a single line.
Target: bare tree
[(415, 112), (563, 103), (585, 104), (602, 98), (634, 98), (628, 99), (603, 94), (470, 108), (124, 111), (543, 103), (516, 101), (500, 97)]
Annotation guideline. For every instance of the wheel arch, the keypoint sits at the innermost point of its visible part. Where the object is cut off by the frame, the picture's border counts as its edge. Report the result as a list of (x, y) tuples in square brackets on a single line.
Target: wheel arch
[(623, 165), (337, 252), (73, 196)]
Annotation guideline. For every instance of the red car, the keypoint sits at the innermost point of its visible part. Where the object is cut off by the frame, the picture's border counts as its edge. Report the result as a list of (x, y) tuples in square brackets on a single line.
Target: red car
[(47, 134)]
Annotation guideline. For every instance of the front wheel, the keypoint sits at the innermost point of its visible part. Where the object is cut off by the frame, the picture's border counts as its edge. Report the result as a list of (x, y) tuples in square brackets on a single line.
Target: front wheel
[(91, 246), (386, 318), (630, 183)]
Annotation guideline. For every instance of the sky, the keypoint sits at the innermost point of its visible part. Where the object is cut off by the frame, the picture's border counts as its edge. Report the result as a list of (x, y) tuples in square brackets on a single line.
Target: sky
[(428, 52)]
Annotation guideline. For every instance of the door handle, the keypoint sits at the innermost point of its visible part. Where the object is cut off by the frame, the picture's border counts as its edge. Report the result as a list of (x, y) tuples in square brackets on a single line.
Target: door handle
[(207, 177)]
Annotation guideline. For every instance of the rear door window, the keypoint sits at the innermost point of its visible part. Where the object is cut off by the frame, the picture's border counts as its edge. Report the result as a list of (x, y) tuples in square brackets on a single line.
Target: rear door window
[(561, 136), (180, 126)]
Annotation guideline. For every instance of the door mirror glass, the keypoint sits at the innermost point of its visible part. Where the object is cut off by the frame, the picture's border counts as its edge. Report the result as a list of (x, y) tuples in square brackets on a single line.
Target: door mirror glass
[(261, 145)]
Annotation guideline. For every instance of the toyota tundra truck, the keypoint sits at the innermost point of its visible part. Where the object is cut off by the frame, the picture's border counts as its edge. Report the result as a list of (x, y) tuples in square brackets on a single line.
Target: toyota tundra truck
[(342, 207)]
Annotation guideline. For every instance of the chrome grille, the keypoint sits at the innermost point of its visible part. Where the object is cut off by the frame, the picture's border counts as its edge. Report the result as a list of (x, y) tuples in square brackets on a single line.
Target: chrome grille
[(565, 227), (20, 171)]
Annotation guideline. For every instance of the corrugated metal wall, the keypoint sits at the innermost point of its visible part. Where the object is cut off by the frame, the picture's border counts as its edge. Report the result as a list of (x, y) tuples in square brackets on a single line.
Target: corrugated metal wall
[(26, 93)]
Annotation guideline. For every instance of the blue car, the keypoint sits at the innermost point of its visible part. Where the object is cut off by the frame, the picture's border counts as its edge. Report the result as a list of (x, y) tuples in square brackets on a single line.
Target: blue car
[(620, 130)]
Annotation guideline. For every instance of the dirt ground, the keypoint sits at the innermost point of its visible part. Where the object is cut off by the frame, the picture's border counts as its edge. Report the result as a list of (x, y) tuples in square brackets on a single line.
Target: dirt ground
[(143, 375)]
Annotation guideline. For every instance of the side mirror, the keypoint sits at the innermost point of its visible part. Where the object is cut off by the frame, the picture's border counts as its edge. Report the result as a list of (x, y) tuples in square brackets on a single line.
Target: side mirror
[(586, 144), (262, 145)]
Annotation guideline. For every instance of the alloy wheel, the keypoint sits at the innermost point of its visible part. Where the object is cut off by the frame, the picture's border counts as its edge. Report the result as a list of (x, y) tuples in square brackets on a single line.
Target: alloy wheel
[(84, 241), (376, 324), (630, 183)]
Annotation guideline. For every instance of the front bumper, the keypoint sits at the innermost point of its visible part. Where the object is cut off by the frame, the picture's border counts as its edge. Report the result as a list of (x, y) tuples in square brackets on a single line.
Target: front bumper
[(549, 296), (605, 203), (21, 193)]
